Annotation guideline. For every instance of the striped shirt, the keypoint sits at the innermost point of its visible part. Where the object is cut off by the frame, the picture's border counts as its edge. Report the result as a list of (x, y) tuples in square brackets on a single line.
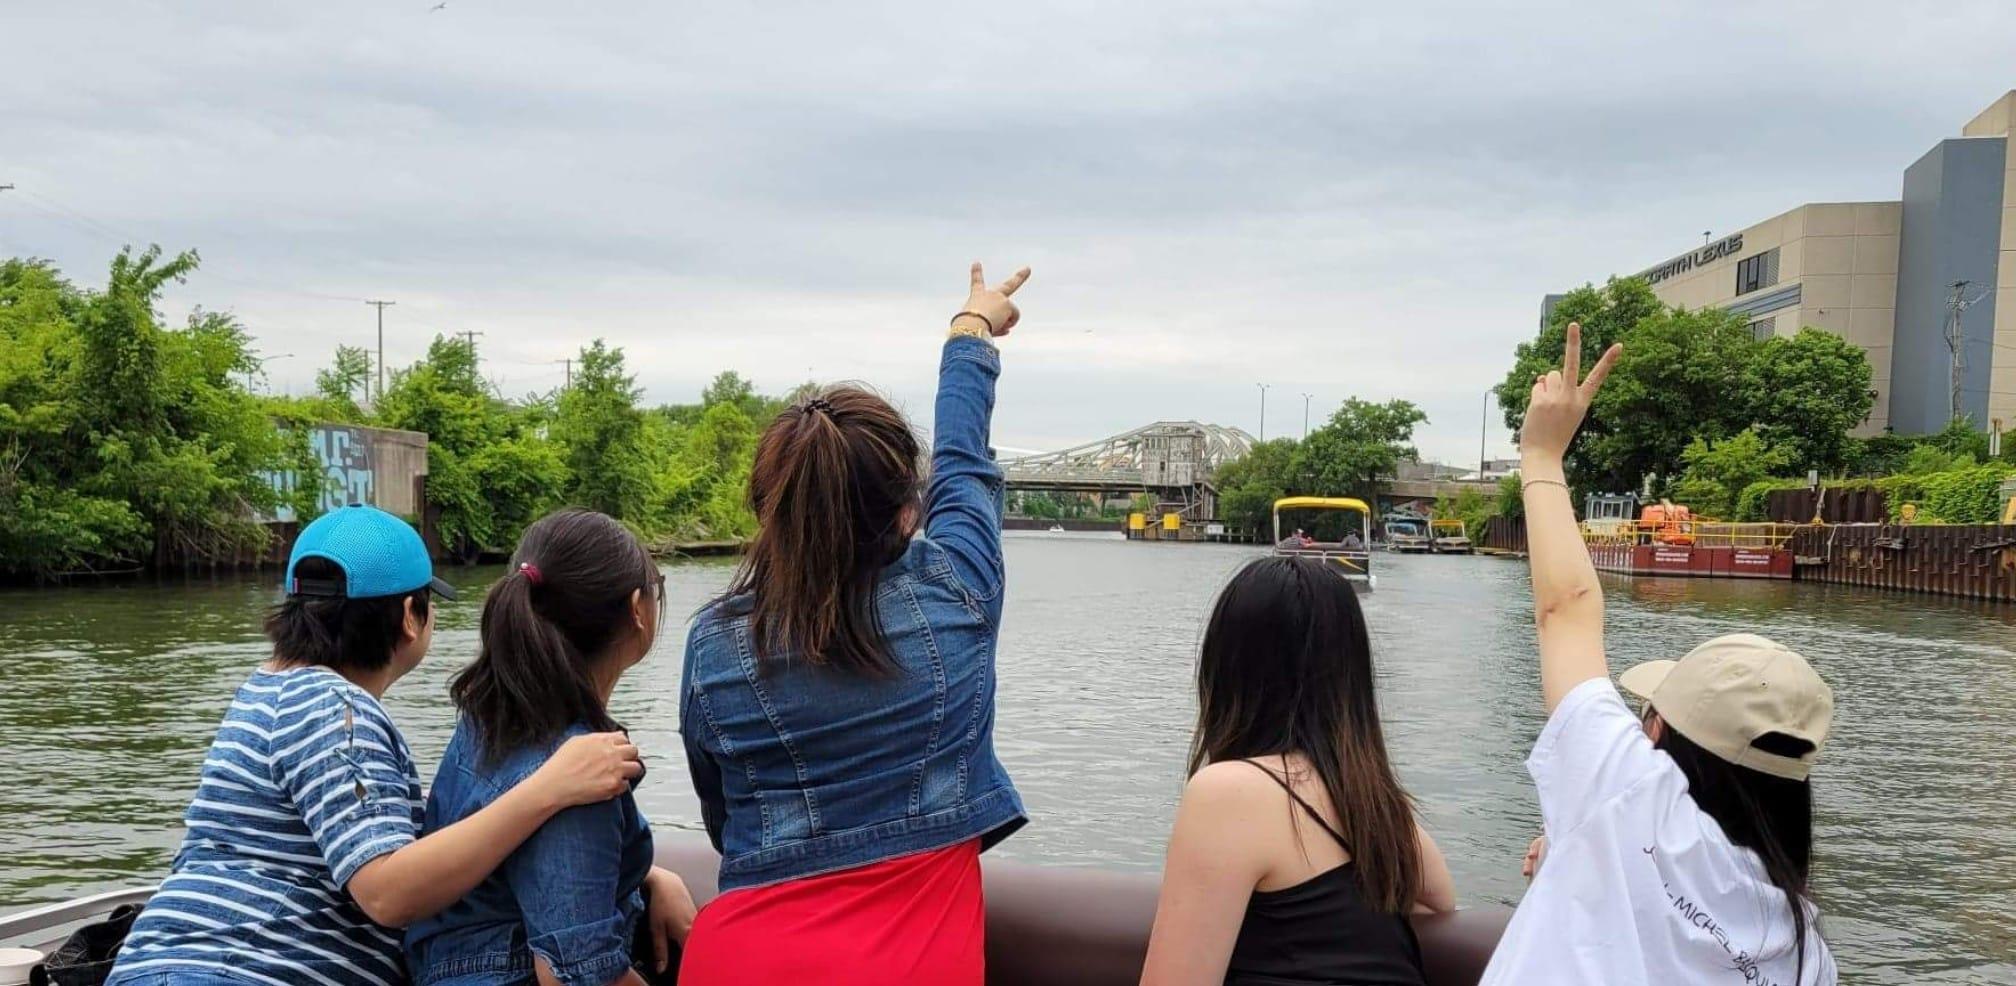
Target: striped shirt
[(307, 781)]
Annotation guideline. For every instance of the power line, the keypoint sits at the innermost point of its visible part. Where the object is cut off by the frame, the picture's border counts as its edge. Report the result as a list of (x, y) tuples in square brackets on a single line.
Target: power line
[(78, 220)]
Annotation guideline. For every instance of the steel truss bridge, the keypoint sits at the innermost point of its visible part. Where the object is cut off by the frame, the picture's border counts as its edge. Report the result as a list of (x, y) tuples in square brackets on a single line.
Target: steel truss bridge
[(1174, 461)]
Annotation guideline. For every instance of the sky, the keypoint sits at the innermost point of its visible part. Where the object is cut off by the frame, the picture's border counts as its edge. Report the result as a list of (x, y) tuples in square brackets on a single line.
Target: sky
[(1330, 199)]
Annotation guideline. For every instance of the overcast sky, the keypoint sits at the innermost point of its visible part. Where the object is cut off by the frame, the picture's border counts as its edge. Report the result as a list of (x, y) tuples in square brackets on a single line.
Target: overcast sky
[(1328, 200)]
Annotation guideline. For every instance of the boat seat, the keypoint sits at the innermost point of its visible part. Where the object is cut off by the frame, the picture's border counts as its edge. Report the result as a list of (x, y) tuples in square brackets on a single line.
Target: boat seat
[(1066, 926)]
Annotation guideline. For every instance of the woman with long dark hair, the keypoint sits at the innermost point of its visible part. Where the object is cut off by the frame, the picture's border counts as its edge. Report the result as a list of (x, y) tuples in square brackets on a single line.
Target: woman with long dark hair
[(838, 702), (580, 902), (1679, 844), (1296, 856)]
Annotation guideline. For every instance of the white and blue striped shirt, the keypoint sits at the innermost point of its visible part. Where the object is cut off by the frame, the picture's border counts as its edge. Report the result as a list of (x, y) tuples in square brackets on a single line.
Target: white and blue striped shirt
[(307, 781)]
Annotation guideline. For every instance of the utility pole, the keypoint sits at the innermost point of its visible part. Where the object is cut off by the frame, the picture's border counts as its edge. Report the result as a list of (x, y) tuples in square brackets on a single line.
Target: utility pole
[(381, 306), (469, 339), (1263, 411), (1957, 304), (1305, 417), (570, 371)]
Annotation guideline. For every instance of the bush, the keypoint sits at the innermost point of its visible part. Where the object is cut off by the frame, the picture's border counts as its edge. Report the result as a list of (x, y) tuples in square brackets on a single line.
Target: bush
[(1705, 497), (1511, 501), (1967, 496)]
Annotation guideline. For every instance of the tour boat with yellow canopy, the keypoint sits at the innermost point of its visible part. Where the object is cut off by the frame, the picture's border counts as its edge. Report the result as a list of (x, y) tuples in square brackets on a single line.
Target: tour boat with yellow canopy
[(1448, 536), (1351, 552)]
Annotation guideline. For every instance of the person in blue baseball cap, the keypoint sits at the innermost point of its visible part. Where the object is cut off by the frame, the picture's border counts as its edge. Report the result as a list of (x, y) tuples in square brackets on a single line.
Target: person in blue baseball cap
[(303, 842)]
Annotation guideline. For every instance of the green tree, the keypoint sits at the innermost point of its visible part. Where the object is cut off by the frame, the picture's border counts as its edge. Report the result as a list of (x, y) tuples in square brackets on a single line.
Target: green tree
[(489, 472), (1361, 446), (347, 378), (1607, 314), (1511, 500), (600, 430), (1805, 393), (727, 387), (123, 442), (702, 489), (1718, 471), (1249, 485), (1672, 384)]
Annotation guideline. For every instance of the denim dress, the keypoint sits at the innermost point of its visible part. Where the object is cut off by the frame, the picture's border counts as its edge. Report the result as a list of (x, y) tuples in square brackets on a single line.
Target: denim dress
[(572, 894)]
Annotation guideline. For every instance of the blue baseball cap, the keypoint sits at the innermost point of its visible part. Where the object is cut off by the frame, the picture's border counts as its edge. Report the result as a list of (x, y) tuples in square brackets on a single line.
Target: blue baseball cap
[(380, 555)]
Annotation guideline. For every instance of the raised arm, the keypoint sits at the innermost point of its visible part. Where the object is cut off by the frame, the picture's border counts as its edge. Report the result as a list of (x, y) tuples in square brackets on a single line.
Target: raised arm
[(1567, 599), (963, 507)]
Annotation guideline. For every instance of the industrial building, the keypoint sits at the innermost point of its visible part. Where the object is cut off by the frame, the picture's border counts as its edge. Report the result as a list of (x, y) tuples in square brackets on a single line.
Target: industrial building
[(1925, 284)]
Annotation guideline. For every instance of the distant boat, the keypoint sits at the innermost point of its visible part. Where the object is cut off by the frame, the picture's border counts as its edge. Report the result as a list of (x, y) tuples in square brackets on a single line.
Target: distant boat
[(1056, 528)]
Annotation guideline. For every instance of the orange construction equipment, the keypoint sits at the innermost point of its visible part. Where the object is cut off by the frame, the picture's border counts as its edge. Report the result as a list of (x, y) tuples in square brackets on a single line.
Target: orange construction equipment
[(1668, 523)]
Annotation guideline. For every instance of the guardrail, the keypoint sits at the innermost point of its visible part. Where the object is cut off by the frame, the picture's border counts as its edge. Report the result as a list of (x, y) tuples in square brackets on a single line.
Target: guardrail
[(1701, 533)]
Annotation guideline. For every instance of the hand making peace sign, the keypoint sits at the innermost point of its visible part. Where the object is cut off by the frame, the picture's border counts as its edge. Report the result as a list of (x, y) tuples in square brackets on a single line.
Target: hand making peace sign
[(1559, 404), (992, 304)]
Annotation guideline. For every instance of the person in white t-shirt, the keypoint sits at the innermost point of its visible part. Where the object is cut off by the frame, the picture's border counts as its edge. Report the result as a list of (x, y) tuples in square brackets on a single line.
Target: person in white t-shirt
[(1677, 846)]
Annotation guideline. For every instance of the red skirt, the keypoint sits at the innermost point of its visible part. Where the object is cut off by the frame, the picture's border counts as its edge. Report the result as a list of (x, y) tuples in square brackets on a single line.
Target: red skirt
[(910, 920)]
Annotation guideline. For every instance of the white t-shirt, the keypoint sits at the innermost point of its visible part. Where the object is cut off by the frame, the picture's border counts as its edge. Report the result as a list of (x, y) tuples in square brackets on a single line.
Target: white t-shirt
[(1639, 886)]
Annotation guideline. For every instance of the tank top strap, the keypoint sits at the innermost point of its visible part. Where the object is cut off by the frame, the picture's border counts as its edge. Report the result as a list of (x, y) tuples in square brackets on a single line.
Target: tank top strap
[(1314, 815)]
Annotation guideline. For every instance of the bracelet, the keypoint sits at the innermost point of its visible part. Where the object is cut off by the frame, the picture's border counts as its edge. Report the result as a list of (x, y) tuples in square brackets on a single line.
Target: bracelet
[(1529, 484), (984, 319)]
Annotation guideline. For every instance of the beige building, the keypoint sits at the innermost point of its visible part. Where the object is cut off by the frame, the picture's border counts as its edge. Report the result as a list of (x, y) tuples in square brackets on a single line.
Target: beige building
[(1910, 281), (1829, 265), (1996, 123)]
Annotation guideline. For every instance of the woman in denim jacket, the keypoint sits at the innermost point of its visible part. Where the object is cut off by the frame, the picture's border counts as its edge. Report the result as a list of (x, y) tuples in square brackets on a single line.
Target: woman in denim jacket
[(574, 903), (838, 702)]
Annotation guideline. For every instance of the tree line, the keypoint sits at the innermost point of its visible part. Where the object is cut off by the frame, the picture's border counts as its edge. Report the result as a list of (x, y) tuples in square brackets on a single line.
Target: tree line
[(1360, 446), (126, 443), (1701, 411)]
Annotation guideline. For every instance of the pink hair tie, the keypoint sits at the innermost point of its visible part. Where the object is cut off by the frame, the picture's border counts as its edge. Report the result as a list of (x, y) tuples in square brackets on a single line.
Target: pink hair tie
[(531, 573)]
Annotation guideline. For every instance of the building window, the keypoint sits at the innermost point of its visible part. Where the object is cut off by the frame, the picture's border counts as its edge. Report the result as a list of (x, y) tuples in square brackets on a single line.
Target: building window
[(1755, 273), (1764, 328)]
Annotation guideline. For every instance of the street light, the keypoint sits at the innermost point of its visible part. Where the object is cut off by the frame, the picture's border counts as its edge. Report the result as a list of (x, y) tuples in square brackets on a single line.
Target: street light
[(1483, 430), (1263, 411), (262, 361)]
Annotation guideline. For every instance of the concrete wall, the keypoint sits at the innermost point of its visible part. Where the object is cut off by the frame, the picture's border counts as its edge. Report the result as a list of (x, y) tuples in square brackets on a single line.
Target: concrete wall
[(1952, 232), (378, 466)]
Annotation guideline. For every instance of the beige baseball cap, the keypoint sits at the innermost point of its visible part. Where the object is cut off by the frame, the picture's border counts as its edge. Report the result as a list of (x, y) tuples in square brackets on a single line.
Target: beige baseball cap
[(1731, 690)]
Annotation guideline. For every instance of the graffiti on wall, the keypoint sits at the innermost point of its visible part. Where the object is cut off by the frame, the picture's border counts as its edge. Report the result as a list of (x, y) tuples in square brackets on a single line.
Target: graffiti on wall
[(347, 469)]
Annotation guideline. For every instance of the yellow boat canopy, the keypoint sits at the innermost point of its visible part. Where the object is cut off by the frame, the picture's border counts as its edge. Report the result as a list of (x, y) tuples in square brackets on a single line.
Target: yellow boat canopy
[(1321, 503)]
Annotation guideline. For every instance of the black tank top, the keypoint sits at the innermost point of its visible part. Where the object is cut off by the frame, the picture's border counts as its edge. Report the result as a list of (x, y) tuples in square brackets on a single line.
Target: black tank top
[(1322, 930)]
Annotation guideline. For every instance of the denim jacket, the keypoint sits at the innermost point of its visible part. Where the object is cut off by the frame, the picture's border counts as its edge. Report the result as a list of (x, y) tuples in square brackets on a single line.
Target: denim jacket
[(803, 769), (571, 894)]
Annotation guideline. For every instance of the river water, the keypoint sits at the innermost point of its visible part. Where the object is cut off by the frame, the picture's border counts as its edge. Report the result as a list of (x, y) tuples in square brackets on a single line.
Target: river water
[(111, 694)]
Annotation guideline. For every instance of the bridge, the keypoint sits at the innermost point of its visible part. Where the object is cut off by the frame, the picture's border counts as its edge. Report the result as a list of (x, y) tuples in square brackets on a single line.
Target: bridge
[(1173, 461)]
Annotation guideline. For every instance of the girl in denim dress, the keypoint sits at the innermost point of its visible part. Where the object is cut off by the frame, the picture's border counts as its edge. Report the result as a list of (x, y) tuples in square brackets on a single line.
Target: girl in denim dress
[(574, 903)]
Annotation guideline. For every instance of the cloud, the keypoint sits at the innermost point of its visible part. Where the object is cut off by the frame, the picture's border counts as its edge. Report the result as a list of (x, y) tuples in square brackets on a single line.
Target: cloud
[(1331, 200)]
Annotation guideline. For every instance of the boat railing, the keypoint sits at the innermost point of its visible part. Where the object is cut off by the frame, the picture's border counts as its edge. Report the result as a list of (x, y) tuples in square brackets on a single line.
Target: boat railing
[(1698, 533), (1355, 558)]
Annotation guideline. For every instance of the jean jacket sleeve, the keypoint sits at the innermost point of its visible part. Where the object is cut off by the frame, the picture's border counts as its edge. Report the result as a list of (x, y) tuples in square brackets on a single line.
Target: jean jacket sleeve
[(964, 504), (565, 878), (706, 773)]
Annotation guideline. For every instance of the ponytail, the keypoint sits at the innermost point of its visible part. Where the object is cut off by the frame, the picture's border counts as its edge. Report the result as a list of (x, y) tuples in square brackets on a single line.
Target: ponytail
[(547, 626), (834, 479)]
